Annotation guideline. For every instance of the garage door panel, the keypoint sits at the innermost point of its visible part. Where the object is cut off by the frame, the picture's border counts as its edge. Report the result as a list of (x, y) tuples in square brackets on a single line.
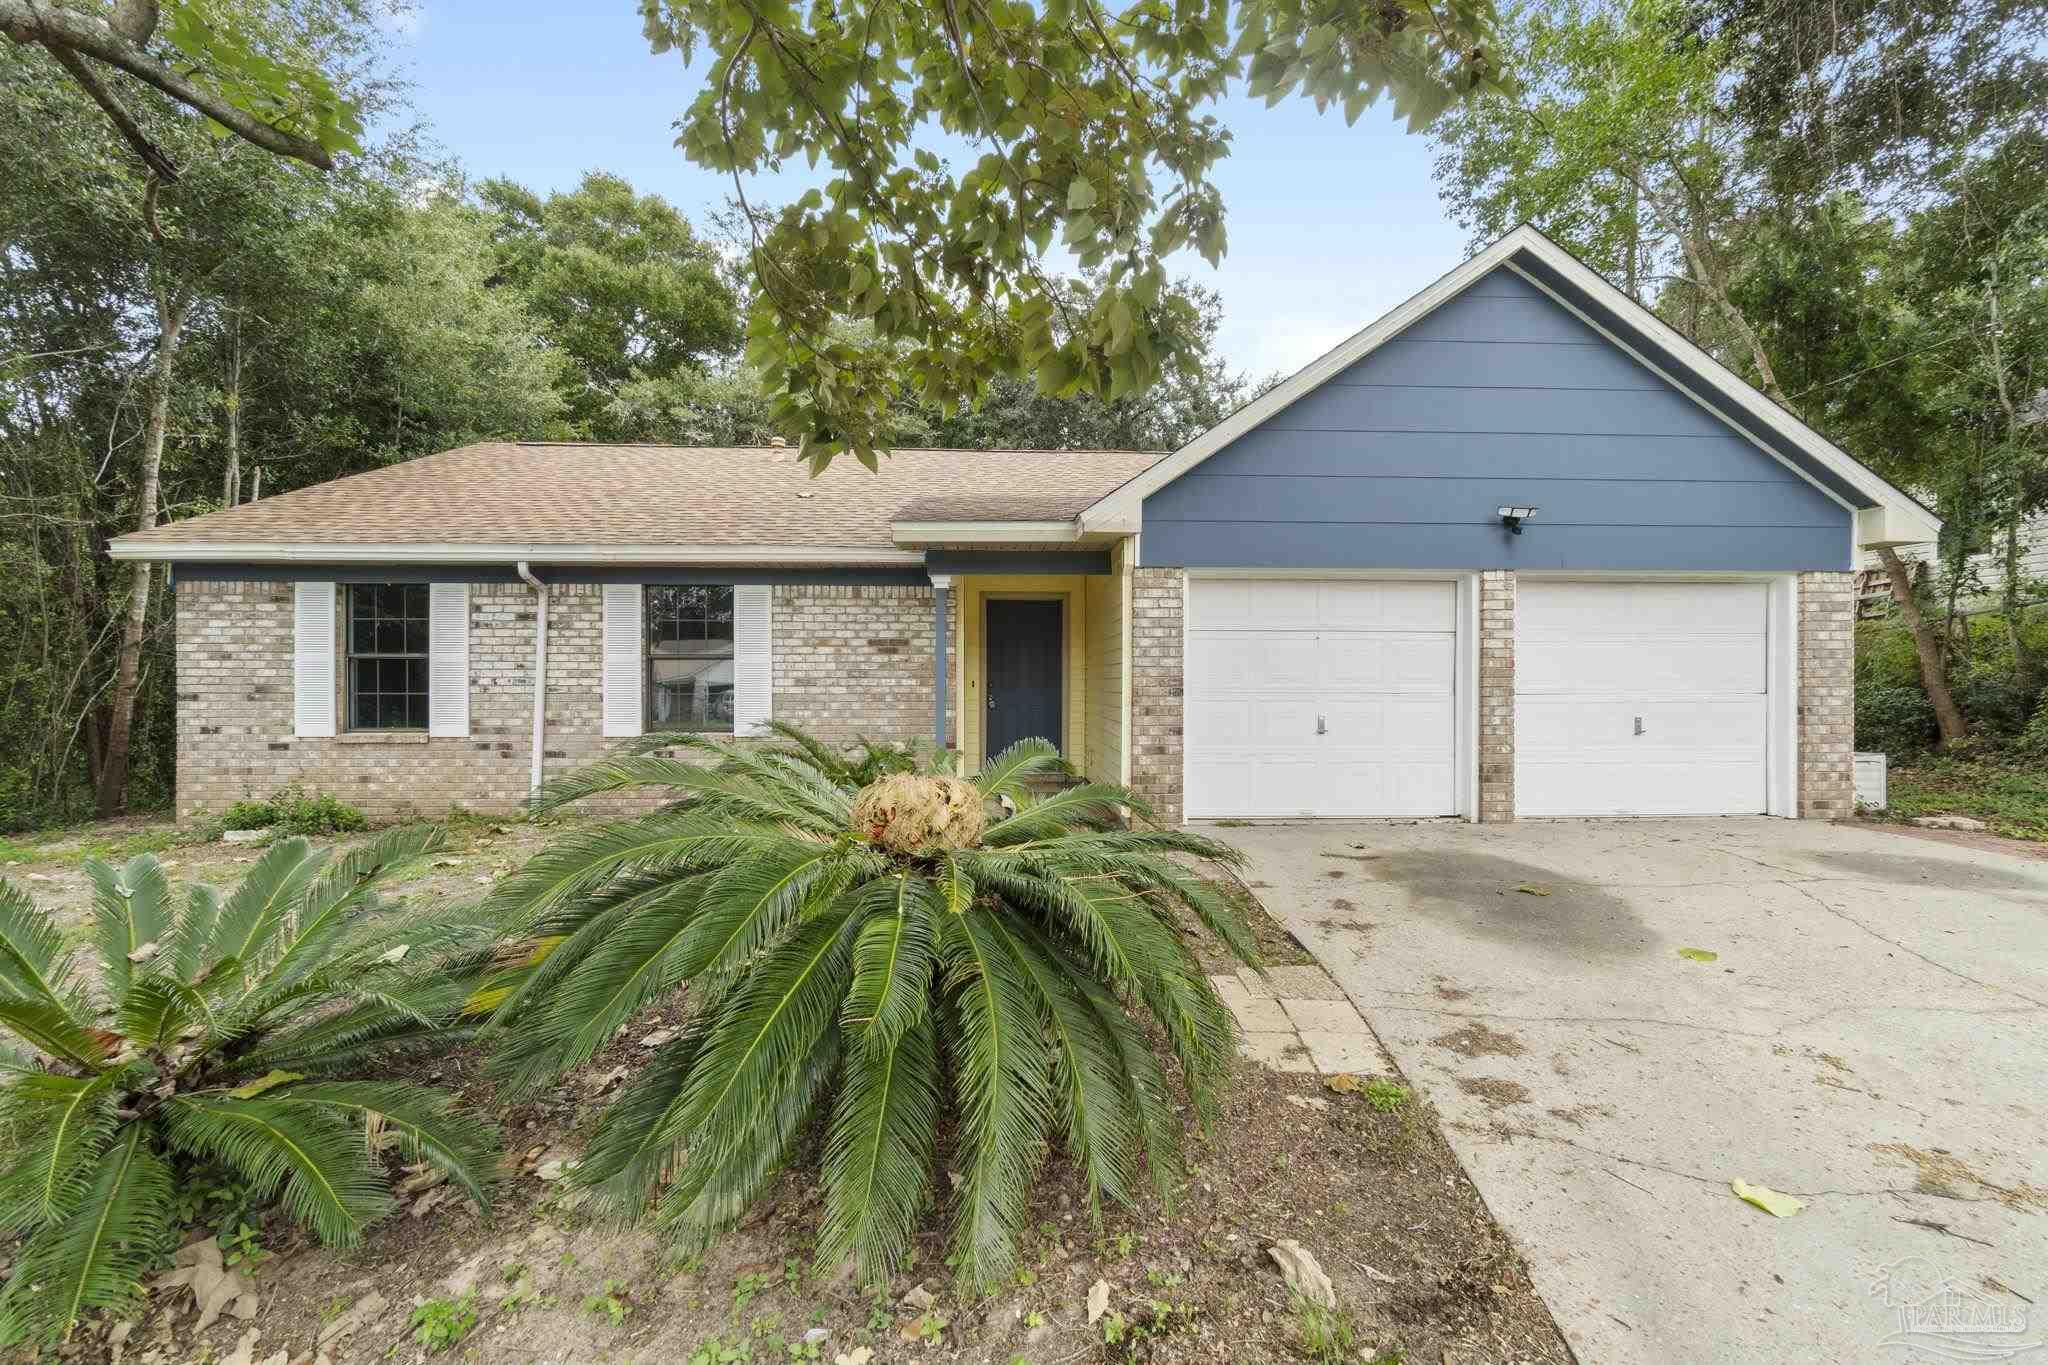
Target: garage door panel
[(1371, 665), (1641, 698)]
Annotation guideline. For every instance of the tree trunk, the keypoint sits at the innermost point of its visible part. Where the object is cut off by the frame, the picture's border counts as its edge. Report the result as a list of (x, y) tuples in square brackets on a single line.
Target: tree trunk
[(231, 478), (113, 787), (1927, 645), (2023, 671)]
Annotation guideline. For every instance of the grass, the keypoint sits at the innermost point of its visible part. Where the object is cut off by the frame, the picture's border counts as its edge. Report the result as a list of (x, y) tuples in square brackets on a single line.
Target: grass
[(2009, 795), (58, 846)]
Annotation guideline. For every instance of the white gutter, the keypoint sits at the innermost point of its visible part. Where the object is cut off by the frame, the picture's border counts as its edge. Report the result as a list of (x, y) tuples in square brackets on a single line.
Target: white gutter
[(411, 552), (540, 669)]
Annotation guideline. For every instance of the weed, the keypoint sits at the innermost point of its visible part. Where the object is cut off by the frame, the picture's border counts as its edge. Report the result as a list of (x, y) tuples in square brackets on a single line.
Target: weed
[(1385, 1095), (512, 1271), (292, 811), (1326, 1334), (334, 1308), (931, 1326), (747, 1286), (716, 1351), (439, 1324), (610, 1301)]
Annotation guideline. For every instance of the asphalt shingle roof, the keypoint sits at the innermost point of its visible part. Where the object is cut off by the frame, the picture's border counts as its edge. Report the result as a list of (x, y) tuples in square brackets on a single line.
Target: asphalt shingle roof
[(501, 492)]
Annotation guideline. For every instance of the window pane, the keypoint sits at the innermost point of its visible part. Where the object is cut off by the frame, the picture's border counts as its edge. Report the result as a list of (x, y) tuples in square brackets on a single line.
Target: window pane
[(690, 693)]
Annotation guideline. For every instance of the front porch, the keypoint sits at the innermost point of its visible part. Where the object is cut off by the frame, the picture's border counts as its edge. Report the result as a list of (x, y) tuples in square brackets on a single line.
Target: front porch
[(980, 655)]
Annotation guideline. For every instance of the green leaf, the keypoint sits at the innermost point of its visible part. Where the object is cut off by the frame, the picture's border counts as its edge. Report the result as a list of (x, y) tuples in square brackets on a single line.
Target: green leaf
[(892, 959), (268, 1081), (94, 1258), (1080, 195)]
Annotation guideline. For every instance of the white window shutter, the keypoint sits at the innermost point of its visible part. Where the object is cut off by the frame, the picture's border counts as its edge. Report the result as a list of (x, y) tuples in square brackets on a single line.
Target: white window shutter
[(313, 660), (448, 660), (753, 656), (623, 642)]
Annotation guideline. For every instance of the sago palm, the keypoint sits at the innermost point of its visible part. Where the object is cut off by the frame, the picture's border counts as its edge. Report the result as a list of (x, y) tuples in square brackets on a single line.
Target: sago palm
[(916, 957), (216, 1028)]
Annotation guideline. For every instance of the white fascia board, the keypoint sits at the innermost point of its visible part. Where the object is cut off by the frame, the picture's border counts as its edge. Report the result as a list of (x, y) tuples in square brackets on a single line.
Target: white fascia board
[(1899, 520), (302, 552), (1122, 508), (994, 532)]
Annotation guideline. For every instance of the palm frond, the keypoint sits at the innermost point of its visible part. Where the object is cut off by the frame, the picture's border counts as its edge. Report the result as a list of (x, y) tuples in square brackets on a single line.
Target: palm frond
[(706, 1201), (1101, 1114), (157, 1007), (1000, 1066), (95, 1257), (65, 1122), (313, 1158), (892, 959), (639, 960), (768, 1024), (879, 1153), (670, 842), (35, 964), (260, 905), (1009, 772), (736, 794), (1159, 1126), (50, 1028), (131, 912), (192, 934), (1092, 804), (428, 1124), (322, 916), (750, 900)]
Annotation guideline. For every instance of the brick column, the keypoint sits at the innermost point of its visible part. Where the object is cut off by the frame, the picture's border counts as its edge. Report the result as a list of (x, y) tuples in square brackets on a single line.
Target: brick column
[(1827, 696), (1157, 689), (1496, 696)]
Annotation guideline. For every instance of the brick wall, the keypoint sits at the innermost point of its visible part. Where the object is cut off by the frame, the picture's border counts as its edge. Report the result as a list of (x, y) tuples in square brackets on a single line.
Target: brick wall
[(1157, 602), (1827, 696), (1496, 696), (856, 661), (848, 660)]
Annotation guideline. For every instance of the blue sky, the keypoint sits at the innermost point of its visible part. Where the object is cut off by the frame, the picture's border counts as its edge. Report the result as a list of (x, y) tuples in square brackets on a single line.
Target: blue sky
[(1329, 226)]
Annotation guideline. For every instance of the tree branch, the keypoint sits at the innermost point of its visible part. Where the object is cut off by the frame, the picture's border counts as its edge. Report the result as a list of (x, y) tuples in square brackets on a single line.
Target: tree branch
[(153, 157), (87, 35)]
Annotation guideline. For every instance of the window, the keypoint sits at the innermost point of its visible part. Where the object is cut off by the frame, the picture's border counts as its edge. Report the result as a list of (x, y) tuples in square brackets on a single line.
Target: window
[(387, 656), (689, 657)]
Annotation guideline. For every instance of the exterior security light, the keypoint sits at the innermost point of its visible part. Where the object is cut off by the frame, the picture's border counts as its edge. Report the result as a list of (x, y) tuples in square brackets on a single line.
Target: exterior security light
[(1513, 517)]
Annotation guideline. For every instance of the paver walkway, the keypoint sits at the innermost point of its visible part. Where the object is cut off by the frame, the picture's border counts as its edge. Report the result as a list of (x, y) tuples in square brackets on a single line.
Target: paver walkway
[(1298, 1019)]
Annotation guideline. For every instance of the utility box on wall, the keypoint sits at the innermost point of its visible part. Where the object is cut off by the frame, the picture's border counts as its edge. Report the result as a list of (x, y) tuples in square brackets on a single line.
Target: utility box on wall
[(1870, 780)]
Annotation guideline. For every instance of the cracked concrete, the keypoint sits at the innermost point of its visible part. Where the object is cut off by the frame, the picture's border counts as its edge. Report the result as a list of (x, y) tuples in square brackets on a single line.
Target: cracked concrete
[(1871, 993)]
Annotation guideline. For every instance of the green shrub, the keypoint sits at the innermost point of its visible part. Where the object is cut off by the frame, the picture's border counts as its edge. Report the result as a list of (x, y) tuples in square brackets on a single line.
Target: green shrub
[(218, 1032), (977, 987), (291, 811), (1898, 721)]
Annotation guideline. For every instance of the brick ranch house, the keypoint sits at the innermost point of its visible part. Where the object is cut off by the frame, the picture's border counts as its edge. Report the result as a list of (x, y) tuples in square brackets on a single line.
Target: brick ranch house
[(1515, 549)]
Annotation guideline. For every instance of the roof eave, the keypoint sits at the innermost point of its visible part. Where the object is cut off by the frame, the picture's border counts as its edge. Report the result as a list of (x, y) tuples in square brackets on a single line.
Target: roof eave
[(406, 552)]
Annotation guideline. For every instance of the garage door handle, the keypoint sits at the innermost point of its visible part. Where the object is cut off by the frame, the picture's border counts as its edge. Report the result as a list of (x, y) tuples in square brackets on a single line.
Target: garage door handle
[(1321, 728), (1639, 724)]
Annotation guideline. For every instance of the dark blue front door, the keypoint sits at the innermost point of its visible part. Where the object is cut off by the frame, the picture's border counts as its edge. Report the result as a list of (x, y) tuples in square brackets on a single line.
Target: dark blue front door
[(1026, 661)]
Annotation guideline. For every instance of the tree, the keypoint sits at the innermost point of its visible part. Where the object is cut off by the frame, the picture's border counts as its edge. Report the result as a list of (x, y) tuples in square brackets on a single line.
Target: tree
[(622, 286), (1084, 127), (216, 1028), (263, 84), (867, 946)]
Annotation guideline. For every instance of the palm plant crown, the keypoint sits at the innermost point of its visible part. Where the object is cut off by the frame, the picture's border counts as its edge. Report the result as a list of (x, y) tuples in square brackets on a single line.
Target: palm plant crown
[(216, 1028), (834, 977)]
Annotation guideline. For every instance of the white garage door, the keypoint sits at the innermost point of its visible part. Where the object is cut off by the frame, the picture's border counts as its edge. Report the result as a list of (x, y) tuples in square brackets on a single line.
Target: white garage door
[(1640, 698), (1320, 698)]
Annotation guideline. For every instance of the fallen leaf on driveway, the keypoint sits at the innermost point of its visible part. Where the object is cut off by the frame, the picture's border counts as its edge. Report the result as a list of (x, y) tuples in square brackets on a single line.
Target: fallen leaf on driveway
[(1699, 954), (1532, 889), (1764, 1197)]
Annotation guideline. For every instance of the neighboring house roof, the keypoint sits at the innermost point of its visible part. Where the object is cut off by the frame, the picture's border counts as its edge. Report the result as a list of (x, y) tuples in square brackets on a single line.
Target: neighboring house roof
[(565, 502), (1884, 514)]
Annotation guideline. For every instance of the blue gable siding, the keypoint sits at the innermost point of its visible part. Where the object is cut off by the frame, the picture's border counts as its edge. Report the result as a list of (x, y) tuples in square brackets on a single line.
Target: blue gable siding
[(1500, 396)]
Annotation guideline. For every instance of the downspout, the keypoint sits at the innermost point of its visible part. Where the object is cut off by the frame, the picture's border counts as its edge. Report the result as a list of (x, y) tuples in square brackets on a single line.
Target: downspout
[(540, 669)]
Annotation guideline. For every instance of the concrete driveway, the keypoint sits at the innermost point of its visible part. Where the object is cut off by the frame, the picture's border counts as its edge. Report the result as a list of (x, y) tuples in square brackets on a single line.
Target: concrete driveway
[(1872, 1038)]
